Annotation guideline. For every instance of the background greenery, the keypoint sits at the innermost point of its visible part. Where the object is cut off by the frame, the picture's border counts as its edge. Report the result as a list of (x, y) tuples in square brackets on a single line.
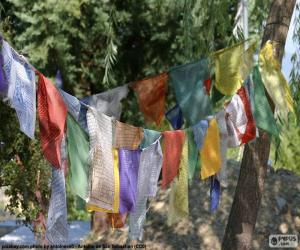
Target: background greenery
[(100, 44)]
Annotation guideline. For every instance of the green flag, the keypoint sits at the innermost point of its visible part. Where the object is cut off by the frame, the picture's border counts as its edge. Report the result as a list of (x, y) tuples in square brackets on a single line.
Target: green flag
[(262, 111), (78, 148), (150, 136), (192, 154), (187, 82)]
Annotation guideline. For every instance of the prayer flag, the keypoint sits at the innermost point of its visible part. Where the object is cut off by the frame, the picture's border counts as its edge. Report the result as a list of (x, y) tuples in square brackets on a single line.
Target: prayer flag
[(273, 79), (179, 201), (187, 82), (215, 192), (18, 82), (149, 170), (199, 131), (262, 111), (52, 120), (232, 66), (151, 93), (207, 85), (58, 79), (172, 148), (221, 120), (193, 153), (129, 161), (3, 80), (73, 104), (78, 148), (57, 224), (128, 136), (116, 220), (57, 227), (108, 102), (150, 136), (104, 193), (240, 122), (210, 154), (174, 116)]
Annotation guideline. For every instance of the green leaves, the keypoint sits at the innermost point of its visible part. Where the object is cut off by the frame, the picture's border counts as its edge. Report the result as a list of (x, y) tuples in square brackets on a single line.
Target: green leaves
[(97, 45)]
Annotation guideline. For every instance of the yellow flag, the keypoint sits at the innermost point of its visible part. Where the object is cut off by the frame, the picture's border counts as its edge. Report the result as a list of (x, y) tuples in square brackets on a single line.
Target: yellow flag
[(179, 202), (116, 204), (274, 81), (210, 153), (232, 66)]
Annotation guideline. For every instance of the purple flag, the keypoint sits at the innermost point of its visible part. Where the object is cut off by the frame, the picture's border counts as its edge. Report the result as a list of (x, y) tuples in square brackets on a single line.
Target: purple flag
[(129, 161), (3, 82), (58, 79), (215, 192)]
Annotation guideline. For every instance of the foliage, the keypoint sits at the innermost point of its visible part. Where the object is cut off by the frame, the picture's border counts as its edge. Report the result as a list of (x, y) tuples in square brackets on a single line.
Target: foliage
[(100, 44), (288, 151), (21, 164), (295, 73)]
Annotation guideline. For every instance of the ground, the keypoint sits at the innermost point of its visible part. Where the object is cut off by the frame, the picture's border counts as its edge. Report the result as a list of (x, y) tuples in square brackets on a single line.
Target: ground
[(279, 213)]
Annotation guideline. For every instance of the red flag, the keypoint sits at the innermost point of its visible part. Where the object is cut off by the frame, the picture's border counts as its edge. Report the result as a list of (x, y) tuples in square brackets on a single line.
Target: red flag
[(151, 93), (207, 85), (250, 131), (52, 120), (172, 148)]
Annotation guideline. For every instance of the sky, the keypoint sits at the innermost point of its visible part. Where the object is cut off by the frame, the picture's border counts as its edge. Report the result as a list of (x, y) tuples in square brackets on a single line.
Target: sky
[(290, 48)]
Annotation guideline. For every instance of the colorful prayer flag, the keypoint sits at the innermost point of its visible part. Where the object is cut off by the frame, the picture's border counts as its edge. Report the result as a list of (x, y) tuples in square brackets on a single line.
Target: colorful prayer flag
[(263, 115), (108, 102), (274, 80), (151, 93), (149, 170), (221, 120), (199, 131), (150, 136), (172, 148), (104, 193), (129, 161), (78, 149), (57, 227), (193, 153), (73, 104), (52, 120), (210, 153), (128, 136), (187, 82), (240, 122), (179, 201), (18, 83), (215, 193), (232, 66), (174, 116)]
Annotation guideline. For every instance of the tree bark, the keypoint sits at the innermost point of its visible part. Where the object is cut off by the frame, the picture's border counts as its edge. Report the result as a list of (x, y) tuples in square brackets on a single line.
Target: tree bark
[(250, 186)]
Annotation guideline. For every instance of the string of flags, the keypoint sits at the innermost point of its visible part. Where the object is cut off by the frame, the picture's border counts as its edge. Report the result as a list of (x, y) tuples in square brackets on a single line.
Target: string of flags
[(115, 167)]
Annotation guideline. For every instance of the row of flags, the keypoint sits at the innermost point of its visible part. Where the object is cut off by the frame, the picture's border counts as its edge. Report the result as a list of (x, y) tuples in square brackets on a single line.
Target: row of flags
[(114, 166)]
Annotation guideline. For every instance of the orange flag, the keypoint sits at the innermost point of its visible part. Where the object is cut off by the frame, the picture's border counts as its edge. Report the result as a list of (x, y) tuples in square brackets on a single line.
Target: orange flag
[(116, 220), (52, 120), (172, 148), (151, 94)]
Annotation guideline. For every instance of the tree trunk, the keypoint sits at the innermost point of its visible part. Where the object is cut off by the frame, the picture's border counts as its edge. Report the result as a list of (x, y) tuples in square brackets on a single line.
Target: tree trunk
[(250, 186)]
